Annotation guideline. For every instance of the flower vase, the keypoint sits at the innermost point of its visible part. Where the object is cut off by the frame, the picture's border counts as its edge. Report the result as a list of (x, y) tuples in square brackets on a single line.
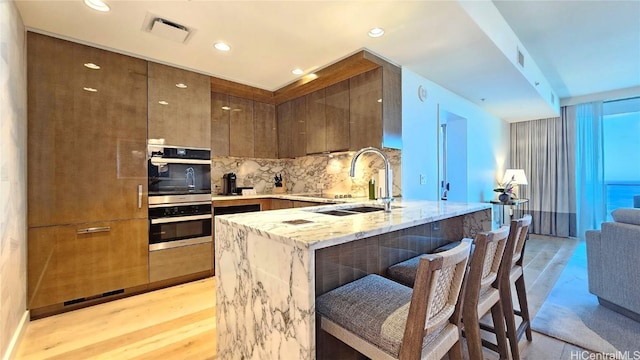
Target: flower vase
[(504, 197)]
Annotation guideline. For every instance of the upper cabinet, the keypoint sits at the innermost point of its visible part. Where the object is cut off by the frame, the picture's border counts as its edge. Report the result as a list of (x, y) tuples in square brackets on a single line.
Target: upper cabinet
[(365, 114), (242, 127), (336, 107), (315, 121), (179, 103), (265, 130)]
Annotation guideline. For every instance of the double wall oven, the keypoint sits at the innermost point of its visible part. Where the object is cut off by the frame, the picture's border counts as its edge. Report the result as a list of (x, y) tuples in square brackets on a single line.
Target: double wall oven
[(180, 219)]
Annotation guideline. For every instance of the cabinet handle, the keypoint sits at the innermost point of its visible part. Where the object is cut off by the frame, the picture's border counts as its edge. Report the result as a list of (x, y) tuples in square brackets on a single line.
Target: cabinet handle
[(139, 196), (94, 230)]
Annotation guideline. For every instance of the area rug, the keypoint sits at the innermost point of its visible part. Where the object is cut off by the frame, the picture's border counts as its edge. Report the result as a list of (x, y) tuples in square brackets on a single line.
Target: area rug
[(572, 314)]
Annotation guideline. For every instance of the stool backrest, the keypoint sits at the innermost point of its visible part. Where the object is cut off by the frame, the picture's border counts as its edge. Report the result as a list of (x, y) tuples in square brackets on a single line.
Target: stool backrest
[(485, 263), (523, 224), (435, 296)]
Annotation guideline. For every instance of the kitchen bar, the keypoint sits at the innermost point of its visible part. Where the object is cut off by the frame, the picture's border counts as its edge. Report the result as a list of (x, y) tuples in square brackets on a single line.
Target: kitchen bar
[(270, 266)]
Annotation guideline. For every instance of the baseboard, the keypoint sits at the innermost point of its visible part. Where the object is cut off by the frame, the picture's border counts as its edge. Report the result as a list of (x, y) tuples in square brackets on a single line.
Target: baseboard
[(17, 337), (619, 309)]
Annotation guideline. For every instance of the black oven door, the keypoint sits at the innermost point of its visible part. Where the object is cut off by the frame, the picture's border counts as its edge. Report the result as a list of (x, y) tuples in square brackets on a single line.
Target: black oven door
[(170, 232)]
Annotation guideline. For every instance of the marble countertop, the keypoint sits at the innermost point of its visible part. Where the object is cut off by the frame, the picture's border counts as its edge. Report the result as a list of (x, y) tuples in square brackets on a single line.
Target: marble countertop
[(309, 228), (314, 197)]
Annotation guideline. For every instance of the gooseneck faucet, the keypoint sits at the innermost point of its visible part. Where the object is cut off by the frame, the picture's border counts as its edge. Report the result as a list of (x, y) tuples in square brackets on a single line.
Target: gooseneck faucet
[(387, 172)]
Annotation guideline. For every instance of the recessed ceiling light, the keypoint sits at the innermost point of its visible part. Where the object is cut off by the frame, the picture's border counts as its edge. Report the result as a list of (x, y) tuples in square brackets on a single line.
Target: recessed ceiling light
[(181, 85), (162, 102), (89, 89), (222, 46), (92, 66), (97, 5), (376, 32), (297, 72)]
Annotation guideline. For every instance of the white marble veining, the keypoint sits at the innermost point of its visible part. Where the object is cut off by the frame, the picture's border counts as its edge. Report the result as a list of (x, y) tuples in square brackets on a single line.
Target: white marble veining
[(308, 173), (265, 304), (327, 230), (265, 269), (13, 174)]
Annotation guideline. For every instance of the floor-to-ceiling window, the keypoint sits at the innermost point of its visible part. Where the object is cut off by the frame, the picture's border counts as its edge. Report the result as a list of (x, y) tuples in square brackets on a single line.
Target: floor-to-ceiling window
[(621, 128)]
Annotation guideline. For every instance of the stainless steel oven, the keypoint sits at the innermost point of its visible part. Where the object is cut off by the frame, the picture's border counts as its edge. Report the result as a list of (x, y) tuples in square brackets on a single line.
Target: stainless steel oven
[(179, 224)]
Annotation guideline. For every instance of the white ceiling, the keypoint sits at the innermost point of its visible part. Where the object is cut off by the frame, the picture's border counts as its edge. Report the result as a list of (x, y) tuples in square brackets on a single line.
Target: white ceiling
[(581, 47)]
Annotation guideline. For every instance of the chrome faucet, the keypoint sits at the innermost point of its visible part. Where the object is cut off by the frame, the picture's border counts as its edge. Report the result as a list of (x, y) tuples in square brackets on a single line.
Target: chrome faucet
[(387, 171)]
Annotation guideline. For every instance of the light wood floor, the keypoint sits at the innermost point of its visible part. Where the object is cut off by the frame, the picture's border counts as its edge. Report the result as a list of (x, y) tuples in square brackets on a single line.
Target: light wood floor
[(179, 322)]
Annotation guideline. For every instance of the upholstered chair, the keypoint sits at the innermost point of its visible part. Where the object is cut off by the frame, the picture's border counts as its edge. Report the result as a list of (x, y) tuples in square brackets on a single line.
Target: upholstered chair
[(383, 319)]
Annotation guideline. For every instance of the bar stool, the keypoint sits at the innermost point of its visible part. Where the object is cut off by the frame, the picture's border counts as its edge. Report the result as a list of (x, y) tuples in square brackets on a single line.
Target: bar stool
[(481, 293), (511, 272), (385, 320)]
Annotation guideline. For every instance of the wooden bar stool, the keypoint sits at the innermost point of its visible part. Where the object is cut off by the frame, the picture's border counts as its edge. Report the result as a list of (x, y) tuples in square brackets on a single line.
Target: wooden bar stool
[(481, 293), (511, 272), (385, 320)]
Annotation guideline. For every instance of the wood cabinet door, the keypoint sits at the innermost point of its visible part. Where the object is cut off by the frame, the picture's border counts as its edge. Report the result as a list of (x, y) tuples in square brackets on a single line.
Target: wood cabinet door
[(365, 110), (285, 124), (281, 204), (220, 111), (265, 130), (86, 146), (299, 127), (315, 122), (337, 116), (180, 115), (70, 262), (241, 127)]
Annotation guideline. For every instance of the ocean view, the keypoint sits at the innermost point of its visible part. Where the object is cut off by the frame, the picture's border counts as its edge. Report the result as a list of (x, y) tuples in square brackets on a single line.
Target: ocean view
[(620, 194)]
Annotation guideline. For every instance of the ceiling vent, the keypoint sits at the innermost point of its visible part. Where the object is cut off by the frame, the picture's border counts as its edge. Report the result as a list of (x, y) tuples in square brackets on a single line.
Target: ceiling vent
[(166, 29)]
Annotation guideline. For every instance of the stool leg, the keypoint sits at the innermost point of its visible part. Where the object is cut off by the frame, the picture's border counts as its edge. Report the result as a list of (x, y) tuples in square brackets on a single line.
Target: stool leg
[(498, 325), (521, 290), (455, 353), (510, 320), (472, 333)]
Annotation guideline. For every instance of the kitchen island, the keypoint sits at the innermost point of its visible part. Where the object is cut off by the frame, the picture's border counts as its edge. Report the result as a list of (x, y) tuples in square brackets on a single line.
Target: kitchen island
[(270, 266)]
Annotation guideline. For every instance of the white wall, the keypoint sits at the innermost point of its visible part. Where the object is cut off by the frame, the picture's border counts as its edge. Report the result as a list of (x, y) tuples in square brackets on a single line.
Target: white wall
[(13, 176), (487, 141)]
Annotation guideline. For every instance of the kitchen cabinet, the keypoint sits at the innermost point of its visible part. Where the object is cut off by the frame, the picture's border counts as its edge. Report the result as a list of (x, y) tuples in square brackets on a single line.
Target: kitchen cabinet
[(337, 116), (242, 127), (86, 152), (365, 110), (315, 122), (86, 149), (284, 115), (220, 136), (241, 132), (292, 138), (375, 114), (281, 204), (265, 130), (67, 263), (180, 261), (179, 104)]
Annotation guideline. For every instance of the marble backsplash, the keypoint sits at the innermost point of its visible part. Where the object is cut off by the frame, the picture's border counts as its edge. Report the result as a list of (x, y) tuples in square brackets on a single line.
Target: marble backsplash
[(308, 174)]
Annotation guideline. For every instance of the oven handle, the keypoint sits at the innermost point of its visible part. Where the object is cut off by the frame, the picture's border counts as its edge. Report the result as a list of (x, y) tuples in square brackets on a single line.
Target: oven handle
[(159, 161), (180, 219)]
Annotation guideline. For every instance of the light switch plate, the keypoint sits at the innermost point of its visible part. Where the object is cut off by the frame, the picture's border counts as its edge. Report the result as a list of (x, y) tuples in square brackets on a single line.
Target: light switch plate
[(423, 179)]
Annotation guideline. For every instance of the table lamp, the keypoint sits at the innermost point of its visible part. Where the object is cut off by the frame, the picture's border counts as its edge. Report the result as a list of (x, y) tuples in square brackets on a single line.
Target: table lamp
[(517, 177)]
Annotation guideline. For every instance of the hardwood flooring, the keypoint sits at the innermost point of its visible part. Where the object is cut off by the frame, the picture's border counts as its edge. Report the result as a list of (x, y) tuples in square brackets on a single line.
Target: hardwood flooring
[(179, 322)]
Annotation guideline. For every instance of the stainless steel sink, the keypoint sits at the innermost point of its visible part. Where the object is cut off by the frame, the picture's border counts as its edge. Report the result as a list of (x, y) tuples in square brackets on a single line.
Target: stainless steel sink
[(351, 211)]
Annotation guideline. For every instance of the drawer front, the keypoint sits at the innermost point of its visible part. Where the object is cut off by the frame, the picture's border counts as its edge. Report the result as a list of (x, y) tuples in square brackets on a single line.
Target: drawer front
[(175, 262)]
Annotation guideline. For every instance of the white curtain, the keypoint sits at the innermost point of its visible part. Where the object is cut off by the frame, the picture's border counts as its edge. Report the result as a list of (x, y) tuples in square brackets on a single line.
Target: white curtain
[(590, 187)]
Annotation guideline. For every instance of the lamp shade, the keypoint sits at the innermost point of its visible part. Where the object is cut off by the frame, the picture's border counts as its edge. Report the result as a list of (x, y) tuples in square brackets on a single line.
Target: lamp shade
[(517, 175)]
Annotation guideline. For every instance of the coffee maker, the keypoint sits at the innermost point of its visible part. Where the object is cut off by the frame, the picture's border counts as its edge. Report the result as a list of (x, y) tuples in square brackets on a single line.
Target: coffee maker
[(229, 184)]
